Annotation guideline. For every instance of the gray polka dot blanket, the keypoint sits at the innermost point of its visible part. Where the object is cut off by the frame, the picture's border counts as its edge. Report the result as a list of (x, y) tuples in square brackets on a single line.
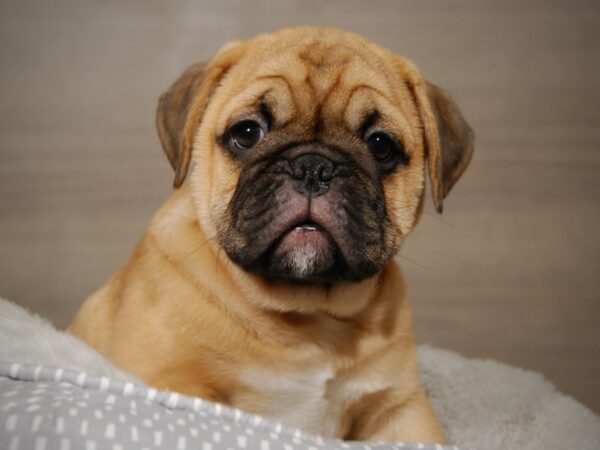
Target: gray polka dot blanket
[(57, 393)]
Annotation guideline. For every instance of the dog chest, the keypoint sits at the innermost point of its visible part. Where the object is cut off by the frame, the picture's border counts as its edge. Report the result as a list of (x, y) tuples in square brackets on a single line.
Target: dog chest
[(298, 398)]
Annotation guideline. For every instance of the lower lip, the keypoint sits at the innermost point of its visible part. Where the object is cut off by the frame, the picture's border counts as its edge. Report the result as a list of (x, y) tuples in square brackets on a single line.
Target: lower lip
[(305, 235)]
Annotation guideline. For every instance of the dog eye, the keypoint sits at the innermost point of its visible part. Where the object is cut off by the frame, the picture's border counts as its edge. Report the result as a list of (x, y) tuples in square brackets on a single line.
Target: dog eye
[(386, 150), (245, 134)]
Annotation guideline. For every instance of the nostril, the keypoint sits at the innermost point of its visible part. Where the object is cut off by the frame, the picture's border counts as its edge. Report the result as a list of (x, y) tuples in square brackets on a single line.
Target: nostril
[(325, 172), (298, 171)]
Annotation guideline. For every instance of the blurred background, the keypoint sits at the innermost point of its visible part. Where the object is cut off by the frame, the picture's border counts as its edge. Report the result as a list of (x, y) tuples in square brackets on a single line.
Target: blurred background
[(510, 271)]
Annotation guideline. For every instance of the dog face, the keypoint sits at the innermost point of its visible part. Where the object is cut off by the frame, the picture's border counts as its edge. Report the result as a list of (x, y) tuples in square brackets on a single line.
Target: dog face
[(311, 147)]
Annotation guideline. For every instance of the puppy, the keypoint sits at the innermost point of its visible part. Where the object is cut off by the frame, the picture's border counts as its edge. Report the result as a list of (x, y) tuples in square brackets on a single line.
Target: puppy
[(267, 280)]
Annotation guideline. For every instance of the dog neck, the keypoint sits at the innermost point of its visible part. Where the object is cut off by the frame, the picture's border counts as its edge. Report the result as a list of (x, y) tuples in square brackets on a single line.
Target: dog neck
[(177, 233)]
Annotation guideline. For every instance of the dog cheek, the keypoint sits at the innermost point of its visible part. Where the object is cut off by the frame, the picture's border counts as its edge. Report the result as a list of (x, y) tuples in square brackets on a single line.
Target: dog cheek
[(358, 214), (212, 182), (253, 209), (404, 194)]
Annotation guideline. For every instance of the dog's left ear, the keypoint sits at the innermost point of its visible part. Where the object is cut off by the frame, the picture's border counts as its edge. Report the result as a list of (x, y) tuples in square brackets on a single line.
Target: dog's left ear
[(181, 107), (448, 137)]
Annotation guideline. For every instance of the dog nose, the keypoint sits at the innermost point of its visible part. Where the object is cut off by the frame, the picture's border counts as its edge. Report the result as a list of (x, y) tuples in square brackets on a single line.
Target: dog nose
[(313, 167), (313, 173)]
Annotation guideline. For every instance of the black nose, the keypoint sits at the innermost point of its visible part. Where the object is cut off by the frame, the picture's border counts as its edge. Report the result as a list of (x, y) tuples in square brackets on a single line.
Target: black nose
[(312, 173)]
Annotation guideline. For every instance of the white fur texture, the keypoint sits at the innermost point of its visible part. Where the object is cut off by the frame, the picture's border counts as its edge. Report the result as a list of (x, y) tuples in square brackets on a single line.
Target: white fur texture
[(302, 260), (305, 390), (27, 338), (483, 404)]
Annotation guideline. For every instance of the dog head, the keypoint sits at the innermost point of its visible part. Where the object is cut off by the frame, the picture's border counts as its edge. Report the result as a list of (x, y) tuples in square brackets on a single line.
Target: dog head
[(310, 148)]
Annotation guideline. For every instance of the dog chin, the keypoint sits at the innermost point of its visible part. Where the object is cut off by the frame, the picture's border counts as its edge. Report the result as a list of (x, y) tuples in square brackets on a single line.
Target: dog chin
[(303, 254)]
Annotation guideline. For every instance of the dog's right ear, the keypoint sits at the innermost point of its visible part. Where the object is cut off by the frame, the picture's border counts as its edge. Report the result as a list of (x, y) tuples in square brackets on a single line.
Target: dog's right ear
[(181, 107)]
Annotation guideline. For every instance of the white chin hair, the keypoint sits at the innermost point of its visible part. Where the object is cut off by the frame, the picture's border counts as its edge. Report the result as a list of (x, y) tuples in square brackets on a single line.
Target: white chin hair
[(302, 260)]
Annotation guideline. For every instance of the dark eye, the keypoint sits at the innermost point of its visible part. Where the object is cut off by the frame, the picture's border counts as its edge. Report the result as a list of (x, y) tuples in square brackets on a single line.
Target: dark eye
[(245, 134), (386, 150)]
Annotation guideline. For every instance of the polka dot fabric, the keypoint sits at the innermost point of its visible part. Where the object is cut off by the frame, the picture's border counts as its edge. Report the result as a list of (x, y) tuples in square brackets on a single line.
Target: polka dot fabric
[(54, 409)]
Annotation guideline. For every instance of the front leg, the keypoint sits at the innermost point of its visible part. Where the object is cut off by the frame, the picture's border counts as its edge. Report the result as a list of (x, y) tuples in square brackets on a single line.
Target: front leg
[(390, 417)]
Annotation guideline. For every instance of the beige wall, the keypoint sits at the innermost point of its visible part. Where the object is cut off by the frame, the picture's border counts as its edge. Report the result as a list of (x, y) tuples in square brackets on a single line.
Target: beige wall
[(510, 271)]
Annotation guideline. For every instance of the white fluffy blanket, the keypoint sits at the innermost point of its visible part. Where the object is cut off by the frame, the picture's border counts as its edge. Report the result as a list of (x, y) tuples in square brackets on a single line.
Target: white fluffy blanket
[(483, 404)]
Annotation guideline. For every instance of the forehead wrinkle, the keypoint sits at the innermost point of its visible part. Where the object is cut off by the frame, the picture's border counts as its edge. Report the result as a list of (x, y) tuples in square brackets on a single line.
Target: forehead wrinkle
[(286, 83), (328, 53), (355, 89), (404, 126), (245, 98), (373, 61), (342, 58), (275, 47), (380, 67), (319, 116), (355, 74), (336, 74), (317, 51)]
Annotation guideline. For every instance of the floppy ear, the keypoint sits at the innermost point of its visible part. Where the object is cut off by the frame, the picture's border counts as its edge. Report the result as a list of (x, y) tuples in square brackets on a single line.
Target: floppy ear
[(448, 138), (181, 107)]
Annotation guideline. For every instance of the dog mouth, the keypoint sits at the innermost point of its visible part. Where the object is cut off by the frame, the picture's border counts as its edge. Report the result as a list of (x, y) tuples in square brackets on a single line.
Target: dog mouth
[(305, 253), (304, 233)]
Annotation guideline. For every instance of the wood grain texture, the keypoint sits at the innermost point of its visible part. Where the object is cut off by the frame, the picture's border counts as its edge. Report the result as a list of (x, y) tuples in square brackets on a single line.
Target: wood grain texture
[(510, 271)]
